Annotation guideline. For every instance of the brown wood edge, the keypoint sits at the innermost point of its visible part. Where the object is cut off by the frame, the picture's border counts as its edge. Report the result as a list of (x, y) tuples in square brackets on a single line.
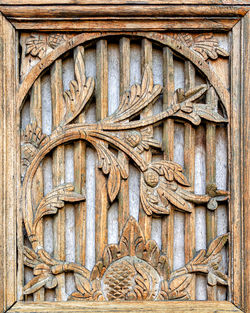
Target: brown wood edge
[(122, 307), (122, 10)]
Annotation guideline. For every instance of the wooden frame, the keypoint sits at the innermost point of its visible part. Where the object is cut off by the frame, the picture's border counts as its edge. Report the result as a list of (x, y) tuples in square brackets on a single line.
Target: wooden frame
[(50, 15)]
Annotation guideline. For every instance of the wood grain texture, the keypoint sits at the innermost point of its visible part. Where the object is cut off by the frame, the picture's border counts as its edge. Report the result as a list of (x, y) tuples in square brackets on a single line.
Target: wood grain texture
[(239, 224), (150, 307), (146, 60), (189, 164), (101, 202), (57, 10), (246, 161), (58, 170), (88, 2), (239, 159), (235, 161), (123, 205), (122, 24), (8, 151), (79, 182), (36, 117), (168, 148)]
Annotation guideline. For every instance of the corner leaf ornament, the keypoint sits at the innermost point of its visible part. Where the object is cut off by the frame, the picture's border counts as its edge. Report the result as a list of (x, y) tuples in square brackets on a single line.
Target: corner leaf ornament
[(135, 268), (204, 44)]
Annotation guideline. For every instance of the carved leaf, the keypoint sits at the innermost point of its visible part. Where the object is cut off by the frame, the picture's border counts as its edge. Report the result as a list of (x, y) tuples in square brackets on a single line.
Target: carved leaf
[(80, 91), (36, 283), (110, 254), (132, 240), (83, 285), (216, 245), (174, 198), (206, 45), (163, 267), (171, 170), (151, 202), (54, 40), (178, 287), (109, 164), (97, 271), (36, 46), (55, 199), (31, 259), (193, 111), (152, 253), (137, 99), (203, 110), (158, 195)]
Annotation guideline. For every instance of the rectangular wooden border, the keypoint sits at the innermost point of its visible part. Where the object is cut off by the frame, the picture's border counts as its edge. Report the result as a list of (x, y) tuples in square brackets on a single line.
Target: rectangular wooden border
[(199, 17)]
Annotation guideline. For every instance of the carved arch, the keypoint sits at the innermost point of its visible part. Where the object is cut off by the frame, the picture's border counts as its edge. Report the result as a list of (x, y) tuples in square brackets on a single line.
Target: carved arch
[(159, 38)]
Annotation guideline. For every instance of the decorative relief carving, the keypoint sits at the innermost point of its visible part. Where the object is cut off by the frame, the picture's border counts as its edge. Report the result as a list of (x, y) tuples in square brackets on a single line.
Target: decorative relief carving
[(204, 44), (40, 45), (36, 46), (134, 268)]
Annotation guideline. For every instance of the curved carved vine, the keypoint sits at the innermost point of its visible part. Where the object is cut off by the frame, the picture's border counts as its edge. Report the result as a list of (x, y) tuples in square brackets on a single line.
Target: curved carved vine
[(135, 268)]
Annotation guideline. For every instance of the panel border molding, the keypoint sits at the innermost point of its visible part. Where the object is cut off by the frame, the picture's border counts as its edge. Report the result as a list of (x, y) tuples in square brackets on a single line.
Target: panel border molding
[(46, 15)]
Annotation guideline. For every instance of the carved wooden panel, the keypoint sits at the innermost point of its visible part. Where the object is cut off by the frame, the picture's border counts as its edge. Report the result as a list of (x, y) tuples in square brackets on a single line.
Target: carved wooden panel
[(120, 140)]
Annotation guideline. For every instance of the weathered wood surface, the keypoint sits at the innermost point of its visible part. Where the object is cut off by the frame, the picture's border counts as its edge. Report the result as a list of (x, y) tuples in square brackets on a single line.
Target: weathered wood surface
[(239, 178), (9, 214), (121, 24), (166, 307), (53, 9)]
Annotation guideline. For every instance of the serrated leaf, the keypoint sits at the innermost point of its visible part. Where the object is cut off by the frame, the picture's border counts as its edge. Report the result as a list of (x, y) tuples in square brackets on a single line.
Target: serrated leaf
[(138, 98), (31, 259), (54, 200), (152, 253), (205, 112), (163, 267), (81, 90)]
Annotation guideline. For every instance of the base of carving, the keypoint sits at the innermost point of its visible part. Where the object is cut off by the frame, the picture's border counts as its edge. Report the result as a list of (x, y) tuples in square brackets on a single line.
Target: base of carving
[(132, 270)]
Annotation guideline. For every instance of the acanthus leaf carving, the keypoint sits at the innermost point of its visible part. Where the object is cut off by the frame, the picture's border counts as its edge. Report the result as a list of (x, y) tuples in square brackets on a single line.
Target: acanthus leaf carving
[(110, 166), (205, 45), (54, 200), (137, 99), (80, 92)]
